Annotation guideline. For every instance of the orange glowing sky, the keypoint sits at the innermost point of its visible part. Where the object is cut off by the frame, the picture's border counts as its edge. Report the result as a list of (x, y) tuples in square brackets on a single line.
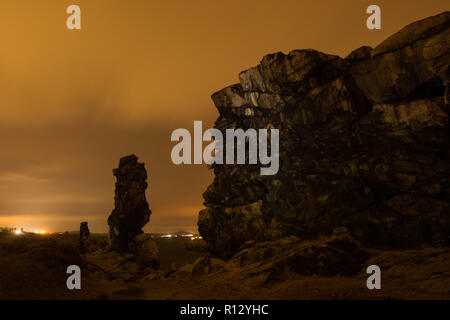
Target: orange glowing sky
[(73, 102)]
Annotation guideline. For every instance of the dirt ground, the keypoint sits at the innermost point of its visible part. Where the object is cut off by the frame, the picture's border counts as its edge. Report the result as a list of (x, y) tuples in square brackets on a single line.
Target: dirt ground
[(34, 267)]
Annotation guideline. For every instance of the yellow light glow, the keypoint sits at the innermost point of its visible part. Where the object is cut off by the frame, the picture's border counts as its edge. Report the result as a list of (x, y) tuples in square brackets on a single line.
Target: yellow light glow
[(18, 231), (42, 232)]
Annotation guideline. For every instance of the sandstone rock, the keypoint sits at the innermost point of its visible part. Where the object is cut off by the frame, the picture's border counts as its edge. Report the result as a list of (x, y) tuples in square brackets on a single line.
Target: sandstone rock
[(146, 251), (336, 254), (251, 256), (413, 32), (201, 266), (407, 63), (230, 96), (153, 277), (361, 53), (363, 146), (114, 265), (238, 225), (416, 115), (131, 211), (184, 271), (262, 263)]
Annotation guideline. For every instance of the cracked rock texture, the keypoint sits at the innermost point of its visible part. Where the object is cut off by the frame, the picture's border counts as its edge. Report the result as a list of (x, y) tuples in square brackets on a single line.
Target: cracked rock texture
[(364, 144)]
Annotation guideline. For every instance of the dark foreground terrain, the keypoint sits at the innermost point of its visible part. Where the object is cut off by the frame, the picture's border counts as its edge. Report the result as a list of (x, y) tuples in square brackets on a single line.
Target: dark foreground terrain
[(34, 267), (363, 180)]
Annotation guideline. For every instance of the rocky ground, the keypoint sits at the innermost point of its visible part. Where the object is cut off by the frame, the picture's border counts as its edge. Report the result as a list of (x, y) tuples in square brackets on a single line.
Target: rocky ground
[(328, 268), (364, 143)]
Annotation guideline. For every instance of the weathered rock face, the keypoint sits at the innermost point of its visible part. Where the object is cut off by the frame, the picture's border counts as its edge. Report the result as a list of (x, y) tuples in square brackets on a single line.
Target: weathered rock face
[(131, 211), (364, 143), (285, 258), (146, 251)]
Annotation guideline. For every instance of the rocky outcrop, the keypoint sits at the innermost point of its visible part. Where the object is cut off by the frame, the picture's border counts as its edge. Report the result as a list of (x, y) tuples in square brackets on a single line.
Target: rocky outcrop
[(286, 258), (111, 265), (364, 144), (146, 251), (131, 254), (84, 236), (131, 211)]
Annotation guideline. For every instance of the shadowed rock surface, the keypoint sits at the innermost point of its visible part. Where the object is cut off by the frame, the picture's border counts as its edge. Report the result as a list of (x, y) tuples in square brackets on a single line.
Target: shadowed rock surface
[(131, 211), (406, 274), (131, 253), (364, 144), (84, 236)]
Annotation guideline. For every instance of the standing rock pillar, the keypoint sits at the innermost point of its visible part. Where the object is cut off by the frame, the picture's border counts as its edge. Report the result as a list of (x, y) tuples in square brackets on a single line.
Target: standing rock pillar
[(84, 236), (131, 210)]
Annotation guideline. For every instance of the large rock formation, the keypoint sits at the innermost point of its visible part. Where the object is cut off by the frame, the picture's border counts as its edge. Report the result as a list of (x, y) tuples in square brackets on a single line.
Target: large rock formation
[(364, 144), (337, 254), (131, 211)]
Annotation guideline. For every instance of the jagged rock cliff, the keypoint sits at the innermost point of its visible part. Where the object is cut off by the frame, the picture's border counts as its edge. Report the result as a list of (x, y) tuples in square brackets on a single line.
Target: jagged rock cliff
[(364, 145)]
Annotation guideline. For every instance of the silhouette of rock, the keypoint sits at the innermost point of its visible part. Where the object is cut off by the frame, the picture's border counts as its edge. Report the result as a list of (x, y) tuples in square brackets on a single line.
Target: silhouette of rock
[(84, 236), (363, 145), (131, 211)]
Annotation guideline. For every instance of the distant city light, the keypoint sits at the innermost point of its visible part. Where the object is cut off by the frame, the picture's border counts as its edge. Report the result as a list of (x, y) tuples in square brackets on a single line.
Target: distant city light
[(21, 231), (191, 236)]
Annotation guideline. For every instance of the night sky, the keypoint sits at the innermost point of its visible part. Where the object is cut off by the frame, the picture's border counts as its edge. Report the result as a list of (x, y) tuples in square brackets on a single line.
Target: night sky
[(73, 102)]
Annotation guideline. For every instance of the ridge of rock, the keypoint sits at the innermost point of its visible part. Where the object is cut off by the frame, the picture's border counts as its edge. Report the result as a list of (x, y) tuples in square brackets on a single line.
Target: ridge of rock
[(363, 145)]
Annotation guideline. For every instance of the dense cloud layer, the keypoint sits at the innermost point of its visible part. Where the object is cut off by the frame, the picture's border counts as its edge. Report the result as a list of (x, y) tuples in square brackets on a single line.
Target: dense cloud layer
[(73, 102)]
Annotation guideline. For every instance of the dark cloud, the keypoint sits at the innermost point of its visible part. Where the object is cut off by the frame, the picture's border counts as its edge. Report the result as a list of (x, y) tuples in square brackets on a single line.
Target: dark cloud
[(73, 102)]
